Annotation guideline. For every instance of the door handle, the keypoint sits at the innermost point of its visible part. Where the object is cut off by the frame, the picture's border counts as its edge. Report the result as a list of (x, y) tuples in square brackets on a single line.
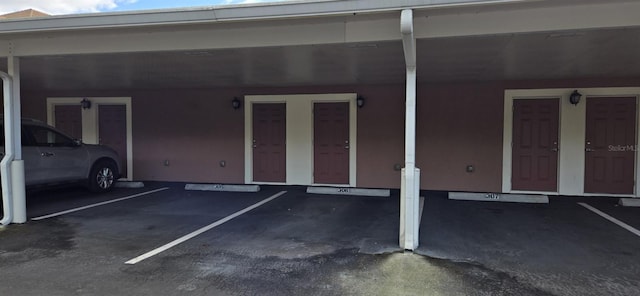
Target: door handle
[(589, 150), (554, 149), (47, 154), (346, 147)]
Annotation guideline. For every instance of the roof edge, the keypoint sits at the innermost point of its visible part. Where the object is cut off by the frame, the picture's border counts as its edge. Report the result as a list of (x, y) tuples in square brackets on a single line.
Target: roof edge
[(213, 14)]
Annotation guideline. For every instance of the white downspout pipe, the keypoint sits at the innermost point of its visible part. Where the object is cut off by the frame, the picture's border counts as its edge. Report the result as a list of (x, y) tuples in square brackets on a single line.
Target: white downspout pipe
[(7, 189), (19, 201), (410, 183)]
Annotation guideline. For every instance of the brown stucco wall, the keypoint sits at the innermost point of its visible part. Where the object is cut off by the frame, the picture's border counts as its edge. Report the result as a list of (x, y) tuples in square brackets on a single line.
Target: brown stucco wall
[(381, 136), (194, 131), (380, 129), (458, 124)]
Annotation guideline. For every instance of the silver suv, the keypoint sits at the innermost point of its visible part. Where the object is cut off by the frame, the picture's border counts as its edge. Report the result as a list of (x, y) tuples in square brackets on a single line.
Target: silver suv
[(51, 157)]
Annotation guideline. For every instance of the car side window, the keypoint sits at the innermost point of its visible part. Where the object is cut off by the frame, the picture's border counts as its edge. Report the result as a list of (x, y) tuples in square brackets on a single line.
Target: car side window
[(26, 137), (45, 137)]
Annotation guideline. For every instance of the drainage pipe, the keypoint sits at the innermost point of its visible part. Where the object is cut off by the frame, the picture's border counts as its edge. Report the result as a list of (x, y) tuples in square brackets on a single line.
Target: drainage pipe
[(7, 159)]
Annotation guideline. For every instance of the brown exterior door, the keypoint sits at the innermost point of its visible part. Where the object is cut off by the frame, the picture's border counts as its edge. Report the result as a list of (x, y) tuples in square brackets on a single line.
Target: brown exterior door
[(610, 145), (331, 143), (269, 142), (69, 120), (535, 145), (112, 131)]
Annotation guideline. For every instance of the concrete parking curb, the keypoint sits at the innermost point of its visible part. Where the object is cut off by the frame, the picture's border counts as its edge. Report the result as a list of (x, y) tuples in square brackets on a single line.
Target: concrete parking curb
[(629, 202), (222, 187), (349, 191), (499, 197), (126, 184)]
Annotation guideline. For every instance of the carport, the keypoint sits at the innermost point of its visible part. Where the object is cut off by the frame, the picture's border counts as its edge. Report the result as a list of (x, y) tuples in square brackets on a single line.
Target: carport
[(191, 64)]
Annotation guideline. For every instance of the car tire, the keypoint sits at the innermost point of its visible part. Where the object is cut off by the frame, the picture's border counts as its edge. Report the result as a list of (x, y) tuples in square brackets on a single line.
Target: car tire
[(102, 177)]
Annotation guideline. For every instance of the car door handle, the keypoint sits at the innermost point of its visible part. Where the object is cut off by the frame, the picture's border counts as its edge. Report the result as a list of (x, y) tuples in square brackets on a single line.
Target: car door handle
[(47, 154)]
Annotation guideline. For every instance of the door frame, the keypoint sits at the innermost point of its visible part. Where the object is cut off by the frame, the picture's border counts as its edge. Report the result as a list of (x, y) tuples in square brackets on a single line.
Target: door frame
[(572, 136), (300, 127), (90, 120)]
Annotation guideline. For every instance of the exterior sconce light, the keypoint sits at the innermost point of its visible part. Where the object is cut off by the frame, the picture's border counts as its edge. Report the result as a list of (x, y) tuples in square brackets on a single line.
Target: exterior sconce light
[(360, 101), (86, 104), (574, 98), (236, 103)]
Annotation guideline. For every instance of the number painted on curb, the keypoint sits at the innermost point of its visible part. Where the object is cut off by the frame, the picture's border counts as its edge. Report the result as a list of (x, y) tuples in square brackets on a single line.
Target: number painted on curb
[(343, 190), (492, 196)]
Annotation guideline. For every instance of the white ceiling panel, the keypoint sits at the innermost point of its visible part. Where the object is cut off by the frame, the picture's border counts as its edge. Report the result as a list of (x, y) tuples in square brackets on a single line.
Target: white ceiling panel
[(552, 55)]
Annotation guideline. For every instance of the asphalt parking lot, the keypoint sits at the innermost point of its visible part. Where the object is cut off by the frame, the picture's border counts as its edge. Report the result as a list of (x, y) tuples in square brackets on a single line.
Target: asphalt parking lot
[(163, 240)]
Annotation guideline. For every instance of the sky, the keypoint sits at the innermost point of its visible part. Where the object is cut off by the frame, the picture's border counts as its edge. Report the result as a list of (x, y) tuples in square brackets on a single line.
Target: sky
[(57, 7)]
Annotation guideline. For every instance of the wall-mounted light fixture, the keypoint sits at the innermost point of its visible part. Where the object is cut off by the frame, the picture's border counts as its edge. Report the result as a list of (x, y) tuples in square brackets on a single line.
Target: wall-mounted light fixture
[(574, 98), (236, 103), (360, 101), (86, 104)]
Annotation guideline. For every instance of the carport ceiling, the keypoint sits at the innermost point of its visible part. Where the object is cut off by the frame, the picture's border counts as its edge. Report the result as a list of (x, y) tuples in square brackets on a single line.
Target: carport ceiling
[(597, 53)]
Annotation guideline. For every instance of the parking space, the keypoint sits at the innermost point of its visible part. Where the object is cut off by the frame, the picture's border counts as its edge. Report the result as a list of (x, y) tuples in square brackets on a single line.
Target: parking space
[(298, 225), (44, 205), (277, 243), (609, 206), (140, 222), (84, 252), (562, 248)]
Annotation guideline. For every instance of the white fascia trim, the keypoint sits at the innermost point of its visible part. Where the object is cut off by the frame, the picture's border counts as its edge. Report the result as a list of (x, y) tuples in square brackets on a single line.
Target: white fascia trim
[(213, 14), (529, 19), (572, 129), (450, 21)]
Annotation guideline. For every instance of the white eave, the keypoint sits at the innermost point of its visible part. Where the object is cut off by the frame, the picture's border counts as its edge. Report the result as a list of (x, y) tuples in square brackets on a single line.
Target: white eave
[(212, 14)]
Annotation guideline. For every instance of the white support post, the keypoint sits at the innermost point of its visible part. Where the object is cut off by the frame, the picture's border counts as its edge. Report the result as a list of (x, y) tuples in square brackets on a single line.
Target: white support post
[(410, 183), (17, 165), (7, 158)]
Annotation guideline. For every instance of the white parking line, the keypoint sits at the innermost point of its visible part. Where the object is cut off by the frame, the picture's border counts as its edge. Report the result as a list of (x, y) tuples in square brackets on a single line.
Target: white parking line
[(97, 205), (612, 219), (201, 230)]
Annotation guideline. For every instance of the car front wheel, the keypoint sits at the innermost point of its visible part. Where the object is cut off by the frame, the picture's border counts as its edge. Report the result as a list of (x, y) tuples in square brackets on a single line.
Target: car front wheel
[(102, 176)]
